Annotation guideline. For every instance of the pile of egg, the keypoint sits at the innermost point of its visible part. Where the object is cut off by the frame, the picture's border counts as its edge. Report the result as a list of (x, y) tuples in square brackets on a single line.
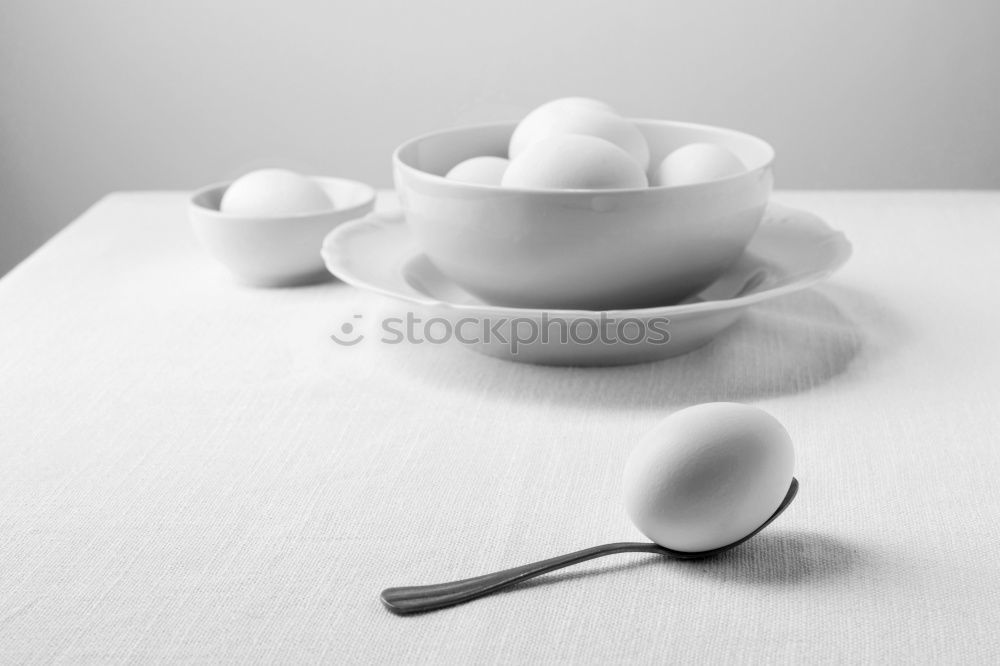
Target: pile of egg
[(581, 143)]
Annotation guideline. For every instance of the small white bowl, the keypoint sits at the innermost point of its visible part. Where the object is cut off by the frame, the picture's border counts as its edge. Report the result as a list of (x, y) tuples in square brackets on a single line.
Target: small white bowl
[(581, 249), (275, 251)]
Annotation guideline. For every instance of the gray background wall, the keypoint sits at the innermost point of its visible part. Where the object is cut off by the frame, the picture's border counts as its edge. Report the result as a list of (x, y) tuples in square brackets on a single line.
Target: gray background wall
[(108, 95)]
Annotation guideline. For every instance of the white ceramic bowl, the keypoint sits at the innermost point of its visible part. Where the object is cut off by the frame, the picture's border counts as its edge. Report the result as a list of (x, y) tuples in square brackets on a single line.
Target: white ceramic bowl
[(791, 250), (275, 251), (581, 249)]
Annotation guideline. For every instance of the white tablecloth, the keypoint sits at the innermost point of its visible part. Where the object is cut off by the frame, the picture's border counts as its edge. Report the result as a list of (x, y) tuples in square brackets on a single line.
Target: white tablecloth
[(192, 470)]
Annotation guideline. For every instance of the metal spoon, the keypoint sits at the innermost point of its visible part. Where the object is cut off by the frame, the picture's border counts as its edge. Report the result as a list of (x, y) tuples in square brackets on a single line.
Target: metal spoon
[(420, 598)]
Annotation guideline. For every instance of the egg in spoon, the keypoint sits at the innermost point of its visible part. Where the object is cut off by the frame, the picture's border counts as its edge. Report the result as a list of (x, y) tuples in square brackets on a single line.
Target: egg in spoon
[(703, 481)]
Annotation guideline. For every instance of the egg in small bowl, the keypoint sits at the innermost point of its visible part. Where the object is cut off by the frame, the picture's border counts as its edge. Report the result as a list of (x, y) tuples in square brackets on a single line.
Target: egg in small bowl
[(268, 226)]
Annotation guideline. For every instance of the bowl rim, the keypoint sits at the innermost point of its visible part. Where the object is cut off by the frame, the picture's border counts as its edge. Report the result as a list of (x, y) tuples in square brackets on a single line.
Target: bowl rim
[(369, 195), (399, 163)]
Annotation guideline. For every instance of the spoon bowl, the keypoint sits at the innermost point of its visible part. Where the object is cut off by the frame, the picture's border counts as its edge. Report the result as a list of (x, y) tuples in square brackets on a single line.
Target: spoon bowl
[(420, 598)]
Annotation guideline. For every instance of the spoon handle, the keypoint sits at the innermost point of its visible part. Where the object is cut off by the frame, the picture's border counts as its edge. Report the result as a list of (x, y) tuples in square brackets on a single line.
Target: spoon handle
[(416, 599)]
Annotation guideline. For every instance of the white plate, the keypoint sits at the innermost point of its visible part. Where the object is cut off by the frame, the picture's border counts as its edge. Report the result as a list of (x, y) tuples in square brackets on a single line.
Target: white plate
[(792, 250)]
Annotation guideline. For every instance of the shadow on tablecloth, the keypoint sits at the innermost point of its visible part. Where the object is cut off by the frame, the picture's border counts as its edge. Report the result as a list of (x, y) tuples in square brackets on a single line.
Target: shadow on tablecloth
[(773, 558), (790, 345)]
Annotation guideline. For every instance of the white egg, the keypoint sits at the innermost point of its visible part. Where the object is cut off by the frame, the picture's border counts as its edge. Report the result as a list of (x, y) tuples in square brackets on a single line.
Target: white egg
[(696, 163), (708, 476), (568, 102), (535, 125), (574, 162), (576, 116), (274, 193), (486, 170)]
